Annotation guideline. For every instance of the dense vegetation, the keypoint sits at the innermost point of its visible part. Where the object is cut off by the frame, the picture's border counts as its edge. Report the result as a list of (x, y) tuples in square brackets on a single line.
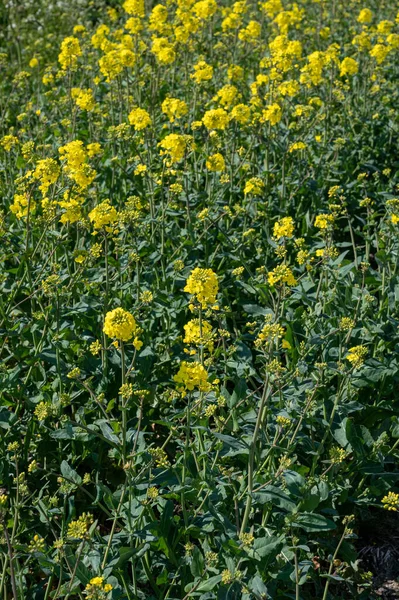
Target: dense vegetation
[(199, 303)]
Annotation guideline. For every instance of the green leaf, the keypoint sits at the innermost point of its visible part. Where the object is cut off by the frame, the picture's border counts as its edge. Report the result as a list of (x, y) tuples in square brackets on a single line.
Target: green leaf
[(275, 496), (314, 522), (69, 473)]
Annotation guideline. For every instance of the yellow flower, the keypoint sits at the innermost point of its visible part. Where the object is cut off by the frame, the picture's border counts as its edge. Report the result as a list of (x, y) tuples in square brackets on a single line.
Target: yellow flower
[(202, 72), (297, 146), (324, 221), (139, 118), (84, 98), (93, 149), (391, 501), (272, 114), (103, 215), (70, 51), (134, 7), (215, 163), (356, 356), (254, 186), (283, 228), (8, 142), (78, 529), (241, 113), (76, 167), (250, 33), (204, 9), (192, 375), (120, 324), (197, 333), (349, 66), (204, 285), (280, 275), (22, 205), (174, 108), (365, 16), (216, 118), (174, 145)]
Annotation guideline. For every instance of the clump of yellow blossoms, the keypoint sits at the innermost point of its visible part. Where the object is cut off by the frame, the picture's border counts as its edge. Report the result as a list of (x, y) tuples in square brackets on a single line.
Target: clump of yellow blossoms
[(134, 7), (21, 205), (174, 108), (47, 172), (192, 375), (76, 167), (216, 118), (202, 72), (283, 228), (272, 114), (391, 501), (84, 98), (215, 163), (96, 588), (280, 275), (103, 215), (174, 146), (79, 529), (349, 66), (8, 142), (120, 324), (324, 221), (70, 51), (356, 356), (269, 332), (139, 118), (198, 333), (254, 186), (204, 285)]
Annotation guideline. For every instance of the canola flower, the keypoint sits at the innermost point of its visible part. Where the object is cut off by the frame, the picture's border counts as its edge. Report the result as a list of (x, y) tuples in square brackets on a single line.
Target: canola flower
[(120, 324), (391, 501), (203, 285), (139, 141), (191, 376), (357, 355), (283, 228)]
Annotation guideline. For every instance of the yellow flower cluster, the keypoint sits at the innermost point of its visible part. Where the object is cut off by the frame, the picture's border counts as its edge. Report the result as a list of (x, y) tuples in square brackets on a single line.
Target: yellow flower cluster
[(103, 215), (70, 51), (76, 167), (202, 72), (174, 146), (280, 275), (324, 221), (216, 118), (139, 118), (204, 285), (254, 186), (215, 163), (120, 324), (78, 529), (22, 204), (357, 355), (192, 375), (96, 588), (47, 172), (174, 108), (84, 98), (283, 228), (391, 501), (269, 333), (198, 333)]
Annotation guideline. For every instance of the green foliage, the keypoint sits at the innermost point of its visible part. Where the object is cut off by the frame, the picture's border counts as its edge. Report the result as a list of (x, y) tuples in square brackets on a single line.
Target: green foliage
[(198, 312)]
